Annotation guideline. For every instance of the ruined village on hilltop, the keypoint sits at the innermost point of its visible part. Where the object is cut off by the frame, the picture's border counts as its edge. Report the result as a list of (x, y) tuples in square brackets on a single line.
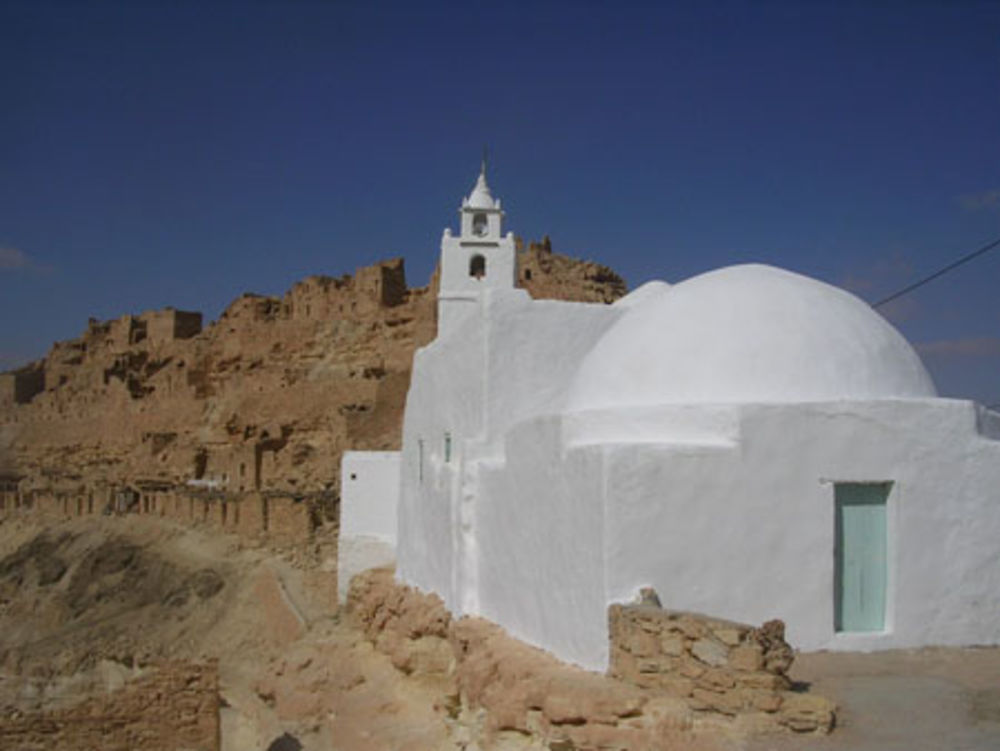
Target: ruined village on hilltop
[(148, 406)]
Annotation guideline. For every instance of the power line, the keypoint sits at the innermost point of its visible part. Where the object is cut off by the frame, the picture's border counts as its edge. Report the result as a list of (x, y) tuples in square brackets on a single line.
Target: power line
[(941, 272)]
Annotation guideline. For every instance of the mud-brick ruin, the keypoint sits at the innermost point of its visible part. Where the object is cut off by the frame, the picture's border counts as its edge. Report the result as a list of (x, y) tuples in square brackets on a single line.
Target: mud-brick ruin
[(168, 705), (243, 421)]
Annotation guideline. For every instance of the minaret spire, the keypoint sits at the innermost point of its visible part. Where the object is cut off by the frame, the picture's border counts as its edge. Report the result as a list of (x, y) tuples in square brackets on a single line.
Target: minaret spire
[(479, 260)]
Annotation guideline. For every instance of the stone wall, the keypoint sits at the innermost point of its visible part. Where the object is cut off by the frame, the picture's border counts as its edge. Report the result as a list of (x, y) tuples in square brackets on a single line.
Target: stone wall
[(548, 275), (267, 519), (500, 686), (8, 389), (20, 386), (10, 497), (713, 665), (164, 326), (172, 705)]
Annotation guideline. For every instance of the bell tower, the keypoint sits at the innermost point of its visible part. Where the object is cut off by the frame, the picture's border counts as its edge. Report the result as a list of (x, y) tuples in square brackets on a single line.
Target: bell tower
[(479, 259)]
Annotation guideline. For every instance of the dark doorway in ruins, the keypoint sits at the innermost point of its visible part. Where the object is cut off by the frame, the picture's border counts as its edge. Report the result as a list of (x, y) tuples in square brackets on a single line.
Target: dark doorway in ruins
[(285, 742)]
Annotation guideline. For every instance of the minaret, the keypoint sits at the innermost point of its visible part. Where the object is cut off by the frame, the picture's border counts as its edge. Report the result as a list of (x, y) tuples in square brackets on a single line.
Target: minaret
[(478, 259)]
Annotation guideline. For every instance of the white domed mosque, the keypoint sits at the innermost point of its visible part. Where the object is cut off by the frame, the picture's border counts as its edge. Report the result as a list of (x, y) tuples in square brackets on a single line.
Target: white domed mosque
[(751, 443)]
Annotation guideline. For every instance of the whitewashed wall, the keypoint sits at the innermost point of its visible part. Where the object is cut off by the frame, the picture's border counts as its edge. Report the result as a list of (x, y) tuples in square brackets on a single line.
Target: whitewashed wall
[(509, 360), (459, 294), (369, 493), (540, 539), (457, 252), (369, 497), (533, 351), (446, 396), (744, 528)]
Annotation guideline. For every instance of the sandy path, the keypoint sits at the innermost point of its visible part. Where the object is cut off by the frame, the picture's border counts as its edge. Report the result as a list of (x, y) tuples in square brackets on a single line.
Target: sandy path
[(906, 700)]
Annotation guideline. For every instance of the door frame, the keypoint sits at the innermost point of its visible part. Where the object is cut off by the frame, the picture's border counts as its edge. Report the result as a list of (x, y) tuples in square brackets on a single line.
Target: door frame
[(865, 639)]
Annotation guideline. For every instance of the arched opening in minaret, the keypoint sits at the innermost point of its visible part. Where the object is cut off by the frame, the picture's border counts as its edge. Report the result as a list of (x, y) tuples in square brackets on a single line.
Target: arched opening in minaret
[(477, 266)]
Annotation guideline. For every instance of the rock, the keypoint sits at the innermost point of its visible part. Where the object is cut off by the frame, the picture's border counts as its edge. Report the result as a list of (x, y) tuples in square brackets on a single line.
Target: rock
[(643, 644), (804, 713), (716, 679), (606, 737), (564, 709), (676, 686), (714, 665), (710, 652), (668, 710), (647, 596), (691, 627), (762, 680), (765, 701), (672, 644), (691, 669), (726, 703), (748, 657), (284, 623), (778, 656), (427, 655), (729, 636), (507, 713)]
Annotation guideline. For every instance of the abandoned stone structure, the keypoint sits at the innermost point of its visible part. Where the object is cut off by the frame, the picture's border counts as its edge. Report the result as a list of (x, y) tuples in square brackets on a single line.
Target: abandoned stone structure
[(264, 400), (19, 386), (271, 518), (671, 670), (168, 705)]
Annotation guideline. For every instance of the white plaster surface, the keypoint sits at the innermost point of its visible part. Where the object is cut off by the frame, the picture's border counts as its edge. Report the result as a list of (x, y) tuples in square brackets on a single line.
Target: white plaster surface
[(481, 197), (445, 397), (359, 553), (369, 498), (542, 563), (642, 294), (508, 361), (369, 493), (459, 291), (747, 533), (747, 334)]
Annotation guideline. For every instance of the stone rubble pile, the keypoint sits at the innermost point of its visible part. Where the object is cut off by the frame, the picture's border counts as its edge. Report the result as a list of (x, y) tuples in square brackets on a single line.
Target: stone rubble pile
[(724, 676), (714, 665)]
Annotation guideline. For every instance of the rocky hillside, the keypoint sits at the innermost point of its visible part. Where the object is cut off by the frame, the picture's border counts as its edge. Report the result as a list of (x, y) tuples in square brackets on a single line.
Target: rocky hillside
[(266, 398), (134, 633)]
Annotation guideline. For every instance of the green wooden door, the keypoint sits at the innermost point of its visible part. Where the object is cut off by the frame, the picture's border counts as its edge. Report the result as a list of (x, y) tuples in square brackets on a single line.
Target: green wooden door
[(860, 556)]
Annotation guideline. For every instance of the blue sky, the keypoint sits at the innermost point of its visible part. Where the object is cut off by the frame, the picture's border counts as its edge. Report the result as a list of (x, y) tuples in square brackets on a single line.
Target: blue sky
[(183, 153)]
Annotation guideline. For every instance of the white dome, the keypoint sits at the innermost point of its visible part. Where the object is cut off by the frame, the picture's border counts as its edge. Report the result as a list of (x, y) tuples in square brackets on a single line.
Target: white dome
[(643, 294), (748, 334)]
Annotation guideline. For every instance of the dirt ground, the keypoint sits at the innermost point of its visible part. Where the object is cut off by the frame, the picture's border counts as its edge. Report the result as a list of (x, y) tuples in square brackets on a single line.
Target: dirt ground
[(904, 700), (83, 602)]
